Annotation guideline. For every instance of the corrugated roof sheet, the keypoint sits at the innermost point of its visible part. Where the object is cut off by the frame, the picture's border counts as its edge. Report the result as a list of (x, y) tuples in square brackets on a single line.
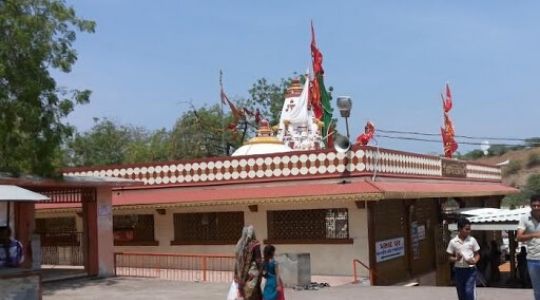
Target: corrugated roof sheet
[(503, 215)]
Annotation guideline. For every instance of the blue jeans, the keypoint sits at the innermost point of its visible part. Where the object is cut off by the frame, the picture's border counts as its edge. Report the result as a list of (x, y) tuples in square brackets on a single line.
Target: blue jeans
[(534, 272), (465, 280)]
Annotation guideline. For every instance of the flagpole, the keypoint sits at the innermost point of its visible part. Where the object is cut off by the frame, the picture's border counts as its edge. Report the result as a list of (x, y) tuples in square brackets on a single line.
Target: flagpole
[(226, 150)]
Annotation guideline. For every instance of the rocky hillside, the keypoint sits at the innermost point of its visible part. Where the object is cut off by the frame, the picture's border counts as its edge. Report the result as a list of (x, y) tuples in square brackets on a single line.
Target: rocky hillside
[(517, 165)]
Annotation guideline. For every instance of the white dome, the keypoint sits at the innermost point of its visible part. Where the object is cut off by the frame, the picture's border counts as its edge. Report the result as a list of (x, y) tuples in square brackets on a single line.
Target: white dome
[(263, 143), (261, 148)]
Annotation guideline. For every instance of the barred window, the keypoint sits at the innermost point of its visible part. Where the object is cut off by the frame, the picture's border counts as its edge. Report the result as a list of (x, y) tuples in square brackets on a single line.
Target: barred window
[(133, 230), (308, 226), (55, 225), (207, 228), (59, 231)]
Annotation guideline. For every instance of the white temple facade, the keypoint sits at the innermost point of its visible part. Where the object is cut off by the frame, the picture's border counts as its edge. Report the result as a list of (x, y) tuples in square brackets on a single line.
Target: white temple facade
[(298, 128)]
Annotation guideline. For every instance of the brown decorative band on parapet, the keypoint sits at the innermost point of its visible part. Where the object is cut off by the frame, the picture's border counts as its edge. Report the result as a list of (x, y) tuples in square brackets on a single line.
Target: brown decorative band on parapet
[(291, 165)]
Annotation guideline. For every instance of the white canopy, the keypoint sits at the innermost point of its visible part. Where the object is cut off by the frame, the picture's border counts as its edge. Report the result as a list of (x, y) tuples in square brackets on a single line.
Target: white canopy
[(13, 193), (17, 194), (493, 218)]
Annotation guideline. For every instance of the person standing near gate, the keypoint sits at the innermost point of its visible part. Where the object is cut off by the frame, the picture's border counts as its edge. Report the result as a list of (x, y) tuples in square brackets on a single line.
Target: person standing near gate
[(528, 231), (11, 254), (463, 251)]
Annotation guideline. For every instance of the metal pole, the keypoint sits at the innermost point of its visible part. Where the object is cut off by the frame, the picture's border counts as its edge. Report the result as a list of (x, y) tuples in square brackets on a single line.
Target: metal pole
[(347, 125), (221, 113), (8, 213)]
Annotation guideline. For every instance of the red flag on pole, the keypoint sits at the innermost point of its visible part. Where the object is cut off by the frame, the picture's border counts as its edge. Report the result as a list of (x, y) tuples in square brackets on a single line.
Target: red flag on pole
[(316, 54), (236, 113), (315, 98), (447, 99), (448, 134), (319, 97)]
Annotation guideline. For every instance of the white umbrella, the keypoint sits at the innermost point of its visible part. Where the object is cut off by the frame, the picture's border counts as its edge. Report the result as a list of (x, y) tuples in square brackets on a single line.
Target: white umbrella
[(13, 193)]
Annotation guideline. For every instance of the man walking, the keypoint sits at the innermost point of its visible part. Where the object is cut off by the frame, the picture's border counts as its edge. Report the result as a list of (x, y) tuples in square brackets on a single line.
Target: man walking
[(463, 251), (528, 231)]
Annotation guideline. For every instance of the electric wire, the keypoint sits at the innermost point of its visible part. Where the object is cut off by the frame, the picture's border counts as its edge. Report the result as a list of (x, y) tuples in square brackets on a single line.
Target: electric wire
[(458, 136), (459, 142)]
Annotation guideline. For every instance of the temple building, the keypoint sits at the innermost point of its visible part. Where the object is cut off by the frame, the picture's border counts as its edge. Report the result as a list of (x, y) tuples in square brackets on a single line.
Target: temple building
[(379, 206)]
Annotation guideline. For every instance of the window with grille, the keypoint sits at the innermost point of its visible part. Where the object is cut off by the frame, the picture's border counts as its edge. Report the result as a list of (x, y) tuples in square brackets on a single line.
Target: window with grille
[(55, 225), (308, 226), (133, 230), (207, 228), (59, 231)]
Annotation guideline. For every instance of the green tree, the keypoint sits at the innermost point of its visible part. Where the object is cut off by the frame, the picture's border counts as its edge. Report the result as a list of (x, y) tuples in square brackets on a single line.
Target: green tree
[(472, 155), (106, 143), (497, 150), (533, 160), (533, 184), (110, 143), (522, 198), (533, 142), (158, 145), (199, 133), (268, 98), (518, 199), (512, 168), (36, 36), (146, 146)]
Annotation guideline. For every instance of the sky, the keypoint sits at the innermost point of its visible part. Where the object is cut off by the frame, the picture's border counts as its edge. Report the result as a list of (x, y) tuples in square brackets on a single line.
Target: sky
[(148, 59)]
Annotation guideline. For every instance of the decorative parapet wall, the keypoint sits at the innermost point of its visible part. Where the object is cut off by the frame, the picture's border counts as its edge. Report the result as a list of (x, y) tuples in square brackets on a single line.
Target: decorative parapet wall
[(360, 161), (483, 172)]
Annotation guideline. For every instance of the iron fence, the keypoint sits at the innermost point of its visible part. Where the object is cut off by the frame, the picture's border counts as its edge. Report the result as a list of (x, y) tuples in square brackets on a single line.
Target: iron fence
[(172, 266)]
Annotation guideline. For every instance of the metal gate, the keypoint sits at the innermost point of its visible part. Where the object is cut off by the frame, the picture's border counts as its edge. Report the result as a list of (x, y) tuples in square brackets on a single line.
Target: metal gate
[(62, 248)]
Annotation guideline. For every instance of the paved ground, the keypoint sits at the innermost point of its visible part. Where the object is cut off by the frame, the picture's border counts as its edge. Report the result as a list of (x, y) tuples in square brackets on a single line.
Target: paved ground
[(121, 288)]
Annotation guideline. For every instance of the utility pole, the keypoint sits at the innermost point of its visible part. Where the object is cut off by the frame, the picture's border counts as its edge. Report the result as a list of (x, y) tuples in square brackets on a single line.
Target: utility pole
[(221, 94)]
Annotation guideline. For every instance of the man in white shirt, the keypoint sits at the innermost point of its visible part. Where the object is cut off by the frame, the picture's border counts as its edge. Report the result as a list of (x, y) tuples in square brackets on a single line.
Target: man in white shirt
[(463, 251), (528, 231)]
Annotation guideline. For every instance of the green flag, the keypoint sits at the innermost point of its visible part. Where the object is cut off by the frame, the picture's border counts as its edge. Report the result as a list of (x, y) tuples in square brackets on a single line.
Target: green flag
[(327, 111), (319, 97)]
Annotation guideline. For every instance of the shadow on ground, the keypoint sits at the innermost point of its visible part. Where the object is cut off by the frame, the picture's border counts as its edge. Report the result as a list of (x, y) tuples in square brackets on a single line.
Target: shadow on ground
[(50, 288), (122, 288)]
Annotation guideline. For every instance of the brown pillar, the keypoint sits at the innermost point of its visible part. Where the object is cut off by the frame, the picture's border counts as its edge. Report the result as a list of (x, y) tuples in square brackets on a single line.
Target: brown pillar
[(409, 211), (512, 245), (24, 227), (371, 241), (89, 209)]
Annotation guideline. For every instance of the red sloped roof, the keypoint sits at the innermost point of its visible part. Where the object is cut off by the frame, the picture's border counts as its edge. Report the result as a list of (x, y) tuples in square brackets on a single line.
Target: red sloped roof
[(441, 189), (185, 195), (385, 190), (224, 193)]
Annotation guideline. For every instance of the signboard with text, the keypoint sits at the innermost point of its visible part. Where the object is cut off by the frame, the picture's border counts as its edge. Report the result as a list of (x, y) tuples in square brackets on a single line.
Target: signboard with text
[(415, 244), (453, 168), (421, 232), (389, 249)]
